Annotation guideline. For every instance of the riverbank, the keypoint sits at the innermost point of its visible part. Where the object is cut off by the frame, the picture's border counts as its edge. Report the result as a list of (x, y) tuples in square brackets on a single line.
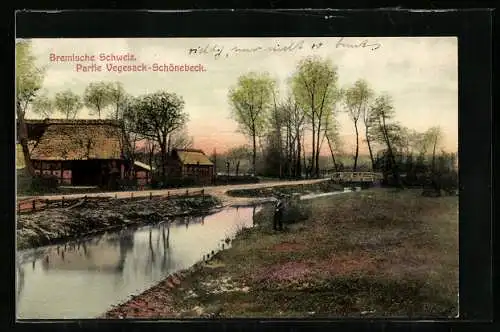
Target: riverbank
[(289, 189), (377, 252), (104, 214)]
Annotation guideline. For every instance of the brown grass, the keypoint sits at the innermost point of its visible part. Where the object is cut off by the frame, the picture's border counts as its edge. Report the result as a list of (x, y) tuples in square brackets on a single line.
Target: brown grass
[(391, 253)]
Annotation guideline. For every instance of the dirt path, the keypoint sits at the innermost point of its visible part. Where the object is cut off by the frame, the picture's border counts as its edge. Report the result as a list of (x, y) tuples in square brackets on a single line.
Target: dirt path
[(218, 191)]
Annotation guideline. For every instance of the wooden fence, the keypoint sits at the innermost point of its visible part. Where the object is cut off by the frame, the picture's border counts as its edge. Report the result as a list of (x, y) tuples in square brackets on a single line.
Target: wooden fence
[(31, 205)]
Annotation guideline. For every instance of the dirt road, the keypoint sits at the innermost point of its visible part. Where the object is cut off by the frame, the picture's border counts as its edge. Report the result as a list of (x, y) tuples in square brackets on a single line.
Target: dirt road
[(218, 191)]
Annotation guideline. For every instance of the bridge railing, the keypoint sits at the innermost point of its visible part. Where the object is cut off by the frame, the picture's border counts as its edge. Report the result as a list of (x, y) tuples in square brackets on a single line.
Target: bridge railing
[(356, 176)]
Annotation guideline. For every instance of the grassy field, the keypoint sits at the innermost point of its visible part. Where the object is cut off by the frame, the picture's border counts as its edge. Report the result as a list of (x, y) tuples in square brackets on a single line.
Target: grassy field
[(372, 253)]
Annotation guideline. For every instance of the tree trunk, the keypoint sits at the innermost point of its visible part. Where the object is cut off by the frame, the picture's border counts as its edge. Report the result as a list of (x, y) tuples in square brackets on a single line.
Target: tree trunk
[(304, 165), (368, 142), (23, 140), (169, 143), (298, 168), (355, 167), (237, 167), (254, 153), (394, 166), (150, 159), (163, 150), (313, 139), (331, 151), (318, 147), (434, 157)]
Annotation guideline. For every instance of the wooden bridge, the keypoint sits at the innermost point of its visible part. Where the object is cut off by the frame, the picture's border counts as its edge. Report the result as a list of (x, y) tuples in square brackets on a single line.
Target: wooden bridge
[(361, 178)]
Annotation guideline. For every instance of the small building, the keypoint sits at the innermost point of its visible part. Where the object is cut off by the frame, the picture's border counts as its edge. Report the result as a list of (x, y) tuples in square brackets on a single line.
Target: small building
[(143, 173), (190, 163), (79, 152)]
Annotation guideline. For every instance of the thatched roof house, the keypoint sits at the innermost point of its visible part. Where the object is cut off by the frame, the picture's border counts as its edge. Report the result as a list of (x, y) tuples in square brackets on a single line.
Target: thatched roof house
[(79, 152), (80, 140), (191, 157), (192, 163)]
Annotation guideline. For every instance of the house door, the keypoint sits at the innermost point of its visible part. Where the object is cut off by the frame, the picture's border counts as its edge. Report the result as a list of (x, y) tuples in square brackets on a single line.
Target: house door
[(86, 173)]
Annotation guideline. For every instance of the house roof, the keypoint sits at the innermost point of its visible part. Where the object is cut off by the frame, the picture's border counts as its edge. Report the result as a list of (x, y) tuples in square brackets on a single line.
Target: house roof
[(143, 165), (79, 140), (193, 157)]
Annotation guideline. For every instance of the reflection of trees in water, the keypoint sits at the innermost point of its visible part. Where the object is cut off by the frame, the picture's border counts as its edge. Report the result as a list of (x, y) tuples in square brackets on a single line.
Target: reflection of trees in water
[(166, 246), (126, 245), (158, 238), (156, 256), (152, 256), (20, 278), (45, 262)]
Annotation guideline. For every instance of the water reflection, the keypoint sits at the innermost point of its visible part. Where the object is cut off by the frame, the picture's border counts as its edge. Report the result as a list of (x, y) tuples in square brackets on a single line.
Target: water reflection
[(82, 279)]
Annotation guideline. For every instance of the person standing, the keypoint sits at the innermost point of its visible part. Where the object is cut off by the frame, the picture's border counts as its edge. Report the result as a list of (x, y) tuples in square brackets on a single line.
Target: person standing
[(278, 215)]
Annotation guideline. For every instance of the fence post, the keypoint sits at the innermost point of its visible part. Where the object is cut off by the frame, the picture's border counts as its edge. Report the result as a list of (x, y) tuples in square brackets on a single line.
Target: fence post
[(34, 205), (116, 195), (187, 192), (46, 203), (131, 195), (168, 194), (150, 195), (203, 192), (62, 202)]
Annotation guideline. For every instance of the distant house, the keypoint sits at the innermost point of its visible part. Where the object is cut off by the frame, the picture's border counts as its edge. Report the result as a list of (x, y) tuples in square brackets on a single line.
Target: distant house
[(190, 163), (79, 152), (143, 173)]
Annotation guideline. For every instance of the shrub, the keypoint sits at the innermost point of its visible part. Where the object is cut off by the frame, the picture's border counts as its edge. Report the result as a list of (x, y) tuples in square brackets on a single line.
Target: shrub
[(127, 184), (296, 211), (441, 183), (157, 182), (44, 183)]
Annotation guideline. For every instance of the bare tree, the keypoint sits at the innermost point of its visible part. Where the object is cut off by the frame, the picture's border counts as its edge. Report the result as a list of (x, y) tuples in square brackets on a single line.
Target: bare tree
[(251, 100), (43, 105), (29, 79), (357, 99), (68, 103), (156, 116), (180, 139), (314, 85), (97, 97), (434, 136), (386, 131), (118, 98)]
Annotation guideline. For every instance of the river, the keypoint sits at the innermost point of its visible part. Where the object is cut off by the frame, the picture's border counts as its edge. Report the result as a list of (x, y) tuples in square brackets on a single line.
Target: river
[(83, 279)]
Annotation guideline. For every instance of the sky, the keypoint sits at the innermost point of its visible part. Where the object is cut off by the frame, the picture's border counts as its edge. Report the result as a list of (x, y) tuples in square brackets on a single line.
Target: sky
[(420, 73)]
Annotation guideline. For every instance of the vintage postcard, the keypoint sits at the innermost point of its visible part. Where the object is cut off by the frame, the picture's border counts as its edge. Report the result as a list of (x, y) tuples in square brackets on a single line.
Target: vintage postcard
[(237, 178)]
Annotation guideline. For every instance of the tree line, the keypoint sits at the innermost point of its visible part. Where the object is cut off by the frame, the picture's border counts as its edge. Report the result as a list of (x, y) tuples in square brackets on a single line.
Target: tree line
[(277, 125), (157, 120)]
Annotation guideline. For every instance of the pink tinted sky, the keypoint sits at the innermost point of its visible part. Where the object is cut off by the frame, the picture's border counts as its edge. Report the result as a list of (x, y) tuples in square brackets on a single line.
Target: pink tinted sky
[(419, 73)]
